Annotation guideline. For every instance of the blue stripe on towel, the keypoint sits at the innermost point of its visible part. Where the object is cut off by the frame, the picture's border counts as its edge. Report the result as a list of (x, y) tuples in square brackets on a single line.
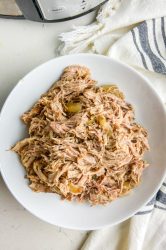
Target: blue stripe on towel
[(157, 64), (136, 45), (162, 208), (154, 37), (163, 30), (144, 212), (161, 197)]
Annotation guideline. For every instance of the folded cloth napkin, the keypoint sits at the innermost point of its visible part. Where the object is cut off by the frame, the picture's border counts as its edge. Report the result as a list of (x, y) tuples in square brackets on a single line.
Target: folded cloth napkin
[(133, 31)]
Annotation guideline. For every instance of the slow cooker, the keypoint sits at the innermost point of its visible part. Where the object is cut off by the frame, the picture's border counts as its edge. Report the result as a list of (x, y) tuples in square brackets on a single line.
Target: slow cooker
[(48, 10)]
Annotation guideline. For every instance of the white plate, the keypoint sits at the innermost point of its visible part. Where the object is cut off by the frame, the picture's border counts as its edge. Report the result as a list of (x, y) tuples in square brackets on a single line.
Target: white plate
[(49, 207)]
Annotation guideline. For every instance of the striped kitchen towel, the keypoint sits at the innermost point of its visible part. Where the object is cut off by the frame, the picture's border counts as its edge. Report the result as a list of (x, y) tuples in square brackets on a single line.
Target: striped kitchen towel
[(132, 31), (145, 46)]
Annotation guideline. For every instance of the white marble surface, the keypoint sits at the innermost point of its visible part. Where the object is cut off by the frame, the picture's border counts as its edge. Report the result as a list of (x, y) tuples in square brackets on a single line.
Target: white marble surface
[(23, 46), (19, 230)]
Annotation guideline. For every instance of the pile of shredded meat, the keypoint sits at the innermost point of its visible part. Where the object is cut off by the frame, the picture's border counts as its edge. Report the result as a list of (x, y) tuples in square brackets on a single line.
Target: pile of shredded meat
[(83, 142)]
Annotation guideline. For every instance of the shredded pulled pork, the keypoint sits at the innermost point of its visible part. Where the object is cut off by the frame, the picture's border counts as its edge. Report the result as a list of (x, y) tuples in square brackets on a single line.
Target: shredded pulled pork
[(83, 141)]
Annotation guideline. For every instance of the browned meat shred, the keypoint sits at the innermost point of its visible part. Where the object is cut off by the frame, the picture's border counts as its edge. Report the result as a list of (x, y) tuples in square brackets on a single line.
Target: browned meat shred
[(83, 142)]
